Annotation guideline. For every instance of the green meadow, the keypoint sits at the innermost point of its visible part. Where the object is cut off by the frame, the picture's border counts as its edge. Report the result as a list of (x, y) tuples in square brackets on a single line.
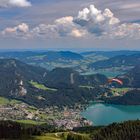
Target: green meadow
[(41, 86)]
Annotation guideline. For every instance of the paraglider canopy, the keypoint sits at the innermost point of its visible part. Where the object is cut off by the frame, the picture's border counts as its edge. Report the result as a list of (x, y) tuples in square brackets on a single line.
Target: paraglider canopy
[(116, 80)]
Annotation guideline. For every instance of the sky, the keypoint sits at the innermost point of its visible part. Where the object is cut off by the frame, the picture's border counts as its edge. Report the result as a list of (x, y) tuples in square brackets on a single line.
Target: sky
[(70, 24)]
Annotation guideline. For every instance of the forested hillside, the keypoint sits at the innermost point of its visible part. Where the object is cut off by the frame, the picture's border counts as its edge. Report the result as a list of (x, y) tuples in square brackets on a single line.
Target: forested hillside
[(39, 87), (130, 98), (117, 61), (47, 55), (131, 78), (63, 77), (119, 131), (129, 130)]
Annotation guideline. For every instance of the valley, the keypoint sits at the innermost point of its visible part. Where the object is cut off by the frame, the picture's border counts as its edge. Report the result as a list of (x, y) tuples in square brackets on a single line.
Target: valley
[(23, 113), (61, 96), (69, 69)]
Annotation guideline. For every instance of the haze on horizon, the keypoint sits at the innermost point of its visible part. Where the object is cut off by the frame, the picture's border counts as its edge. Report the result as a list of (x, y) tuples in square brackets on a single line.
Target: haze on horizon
[(70, 24)]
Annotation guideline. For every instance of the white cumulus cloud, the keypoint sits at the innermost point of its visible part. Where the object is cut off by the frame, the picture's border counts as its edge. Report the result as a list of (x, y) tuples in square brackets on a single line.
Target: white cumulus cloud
[(21, 30), (128, 30), (14, 3), (89, 22), (60, 28), (96, 21)]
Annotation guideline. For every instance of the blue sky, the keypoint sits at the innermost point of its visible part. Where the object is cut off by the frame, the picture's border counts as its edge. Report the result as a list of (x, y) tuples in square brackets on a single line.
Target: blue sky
[(70, 24)]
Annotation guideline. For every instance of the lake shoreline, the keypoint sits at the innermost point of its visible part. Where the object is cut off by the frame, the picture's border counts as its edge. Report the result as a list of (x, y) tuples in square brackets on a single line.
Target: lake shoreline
[(103, 114)]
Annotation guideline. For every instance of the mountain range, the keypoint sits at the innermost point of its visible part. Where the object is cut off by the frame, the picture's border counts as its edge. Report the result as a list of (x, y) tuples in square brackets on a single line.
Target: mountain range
[(39, 87), (131, 78), (117, 61), (45, 55)]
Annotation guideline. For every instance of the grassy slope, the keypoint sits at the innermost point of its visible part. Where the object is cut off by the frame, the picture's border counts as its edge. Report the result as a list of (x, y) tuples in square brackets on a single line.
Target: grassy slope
[(58, 136), (51, 136), (29, 122), (41, 86), (120, 90), (4, 101)]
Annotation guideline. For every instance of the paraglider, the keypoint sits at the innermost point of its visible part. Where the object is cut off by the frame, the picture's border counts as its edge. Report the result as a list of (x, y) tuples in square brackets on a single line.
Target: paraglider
[(116, 80)]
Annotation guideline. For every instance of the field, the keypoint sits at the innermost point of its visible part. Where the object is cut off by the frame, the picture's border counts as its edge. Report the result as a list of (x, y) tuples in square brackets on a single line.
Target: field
[(61, 136), (51, 136), (29, 122), (41, 86), (120, 91), (5, 101), (88, 87)]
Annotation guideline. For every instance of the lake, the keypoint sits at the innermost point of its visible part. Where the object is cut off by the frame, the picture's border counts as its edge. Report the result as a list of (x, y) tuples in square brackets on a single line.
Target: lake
[(104, 114)]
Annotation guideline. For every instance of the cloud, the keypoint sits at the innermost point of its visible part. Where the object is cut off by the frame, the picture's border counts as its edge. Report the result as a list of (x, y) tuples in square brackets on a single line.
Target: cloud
[(127, 30), (96, 21), (78, 33), (130, 6), (60, 28), (15, 3), (89, 22), (21, 30), (105, 24)]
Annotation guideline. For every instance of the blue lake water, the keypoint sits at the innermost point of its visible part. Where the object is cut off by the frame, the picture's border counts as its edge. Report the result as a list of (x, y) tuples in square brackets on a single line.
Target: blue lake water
[(104, 114)]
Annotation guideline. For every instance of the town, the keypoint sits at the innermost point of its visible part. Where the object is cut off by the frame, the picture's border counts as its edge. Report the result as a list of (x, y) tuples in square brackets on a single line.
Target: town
[(65, 118)]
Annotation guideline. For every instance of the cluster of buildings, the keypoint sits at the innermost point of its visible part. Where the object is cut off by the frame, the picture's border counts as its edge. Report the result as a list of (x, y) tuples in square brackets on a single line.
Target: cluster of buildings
[(71, 118), (16, 112), (65, 118)]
